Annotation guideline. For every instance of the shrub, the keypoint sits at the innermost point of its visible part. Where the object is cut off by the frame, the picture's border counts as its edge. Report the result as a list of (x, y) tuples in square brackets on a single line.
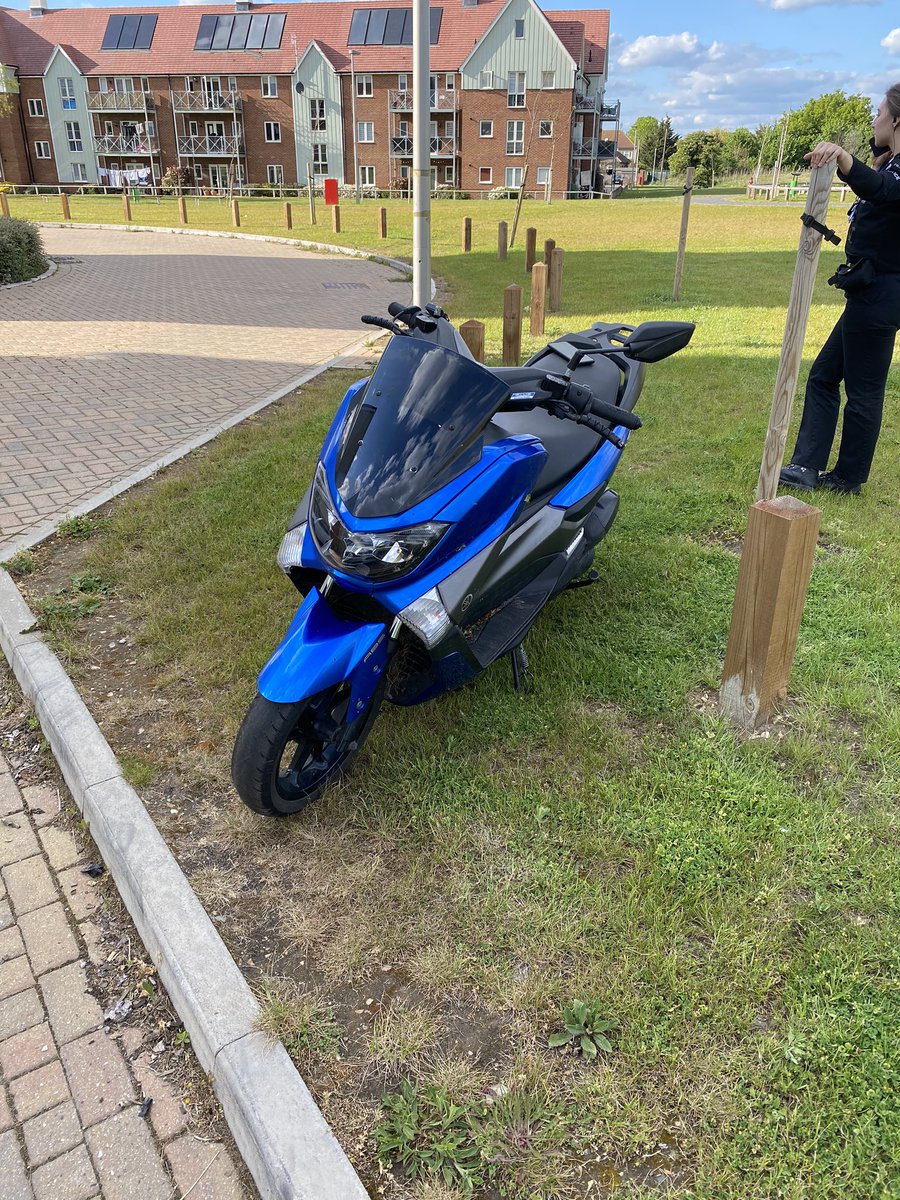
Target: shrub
[(21, 253), (176, 179)]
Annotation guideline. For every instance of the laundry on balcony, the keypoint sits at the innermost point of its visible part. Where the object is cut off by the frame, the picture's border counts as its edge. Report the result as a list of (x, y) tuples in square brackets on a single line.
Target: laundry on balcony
[(121, 178)]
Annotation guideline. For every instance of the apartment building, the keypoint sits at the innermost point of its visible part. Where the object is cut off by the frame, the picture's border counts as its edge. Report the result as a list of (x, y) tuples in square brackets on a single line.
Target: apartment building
[(253, 93)]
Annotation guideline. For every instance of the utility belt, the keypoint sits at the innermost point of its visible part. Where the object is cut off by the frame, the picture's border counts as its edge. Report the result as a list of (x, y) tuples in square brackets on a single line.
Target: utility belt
[(852, 277)]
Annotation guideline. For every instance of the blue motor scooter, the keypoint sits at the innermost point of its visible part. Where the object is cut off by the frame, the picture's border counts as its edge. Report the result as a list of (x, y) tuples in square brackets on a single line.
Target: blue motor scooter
[(450, 503)]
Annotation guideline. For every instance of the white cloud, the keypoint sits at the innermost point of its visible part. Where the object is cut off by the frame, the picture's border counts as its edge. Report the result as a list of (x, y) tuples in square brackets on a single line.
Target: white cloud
[(652, 50), (794, 5), (891, 43)]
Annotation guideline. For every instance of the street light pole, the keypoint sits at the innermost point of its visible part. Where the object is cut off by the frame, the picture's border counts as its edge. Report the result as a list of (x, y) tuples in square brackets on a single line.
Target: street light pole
[(421, 154), (353, 54)]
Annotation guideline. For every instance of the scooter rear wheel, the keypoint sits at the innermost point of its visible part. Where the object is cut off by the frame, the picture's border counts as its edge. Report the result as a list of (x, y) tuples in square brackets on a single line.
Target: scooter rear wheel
[(286, 754)]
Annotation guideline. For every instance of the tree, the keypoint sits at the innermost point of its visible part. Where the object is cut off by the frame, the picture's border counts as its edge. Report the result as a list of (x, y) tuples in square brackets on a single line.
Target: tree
[(645, 135), (705, 151), (743, 149), (834, 117)]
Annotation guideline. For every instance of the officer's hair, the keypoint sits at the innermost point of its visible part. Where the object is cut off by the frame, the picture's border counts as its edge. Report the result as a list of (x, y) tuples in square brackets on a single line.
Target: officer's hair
[(892, 100)]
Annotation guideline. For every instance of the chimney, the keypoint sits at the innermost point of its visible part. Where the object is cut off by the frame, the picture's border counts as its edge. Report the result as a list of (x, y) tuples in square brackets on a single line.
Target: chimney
[(37, 8), (470, 3), (242, 5)]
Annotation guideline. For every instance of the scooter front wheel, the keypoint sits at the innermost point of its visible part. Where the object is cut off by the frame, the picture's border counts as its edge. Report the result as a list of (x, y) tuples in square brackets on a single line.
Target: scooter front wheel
[(286, 754)]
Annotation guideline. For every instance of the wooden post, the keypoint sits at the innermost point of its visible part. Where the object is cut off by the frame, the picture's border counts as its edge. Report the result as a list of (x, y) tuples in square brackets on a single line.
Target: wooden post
[(467, 235), (64, 201), (556, 276), (512, 325), (382, 223), (794, 333), (549, 247), (538, 296), (182, 210), (336, 218), (236, 214), (4, 204), (502, 231), (682, 237), (126, 206), (288, 215), (515, 224), (776, 565), (310, 184), (530, 248), (472, 333)]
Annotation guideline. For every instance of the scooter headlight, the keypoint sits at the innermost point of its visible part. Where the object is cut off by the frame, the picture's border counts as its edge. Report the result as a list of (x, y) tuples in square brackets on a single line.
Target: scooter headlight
[(291, 547), (374, 555)]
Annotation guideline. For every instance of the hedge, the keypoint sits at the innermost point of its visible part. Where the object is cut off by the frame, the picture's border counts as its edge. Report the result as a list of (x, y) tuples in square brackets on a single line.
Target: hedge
[(21, 253)]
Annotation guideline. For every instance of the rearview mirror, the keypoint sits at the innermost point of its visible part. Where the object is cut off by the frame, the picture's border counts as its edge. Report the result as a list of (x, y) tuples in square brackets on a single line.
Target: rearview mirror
[(655, 340)]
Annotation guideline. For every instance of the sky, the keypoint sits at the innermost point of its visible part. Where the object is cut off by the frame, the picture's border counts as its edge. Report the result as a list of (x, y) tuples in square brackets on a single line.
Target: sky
[(724, 63)]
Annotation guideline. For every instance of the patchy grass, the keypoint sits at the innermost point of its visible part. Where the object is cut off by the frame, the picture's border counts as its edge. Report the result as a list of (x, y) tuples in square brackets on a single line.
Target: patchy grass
[(730, 902)]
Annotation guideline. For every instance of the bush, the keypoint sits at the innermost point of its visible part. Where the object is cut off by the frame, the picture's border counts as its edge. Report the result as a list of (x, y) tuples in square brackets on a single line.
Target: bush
[(21, 253), (176, 179)]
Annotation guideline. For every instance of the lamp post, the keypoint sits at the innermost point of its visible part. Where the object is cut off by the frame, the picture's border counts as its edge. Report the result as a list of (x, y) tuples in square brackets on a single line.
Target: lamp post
[(421, 154), (353, 54)]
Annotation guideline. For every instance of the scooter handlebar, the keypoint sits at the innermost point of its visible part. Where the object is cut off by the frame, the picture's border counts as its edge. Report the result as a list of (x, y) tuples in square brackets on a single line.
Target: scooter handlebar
[(614, 414)]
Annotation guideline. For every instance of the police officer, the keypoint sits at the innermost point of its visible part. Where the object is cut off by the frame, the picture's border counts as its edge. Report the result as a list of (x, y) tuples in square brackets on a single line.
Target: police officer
[(859, 348)]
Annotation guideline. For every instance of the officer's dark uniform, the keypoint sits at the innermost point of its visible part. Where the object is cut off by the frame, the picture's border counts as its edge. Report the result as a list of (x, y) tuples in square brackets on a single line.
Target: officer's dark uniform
[(861, 345)]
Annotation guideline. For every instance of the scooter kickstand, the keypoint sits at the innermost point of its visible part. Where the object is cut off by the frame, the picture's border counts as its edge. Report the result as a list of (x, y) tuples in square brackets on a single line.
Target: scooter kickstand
[(522, 676), (593, 576)]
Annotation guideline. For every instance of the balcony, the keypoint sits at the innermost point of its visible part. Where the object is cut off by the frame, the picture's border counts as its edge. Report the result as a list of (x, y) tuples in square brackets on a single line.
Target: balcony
[(206, 101), (119, 101), (126, 145), (440, 101), (402, 147), (584, 149), (593, 104), (209, 147)]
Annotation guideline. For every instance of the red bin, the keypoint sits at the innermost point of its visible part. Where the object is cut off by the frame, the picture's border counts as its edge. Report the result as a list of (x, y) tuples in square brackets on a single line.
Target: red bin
[(331, 191)]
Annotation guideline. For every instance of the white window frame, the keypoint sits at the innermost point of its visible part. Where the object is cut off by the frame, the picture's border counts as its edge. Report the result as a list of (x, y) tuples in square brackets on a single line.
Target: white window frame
[(194, 128), (275, 174), (320, 151), (42, 150), (317, 114), (490, 174), (515, 97), (543, 176), (449, 83), (548, 80), (67, 93), (549, 127), (198, 172), (513, 177), (485, 80), (74, 139), (404, 127), (367, 176), (232, 84), (490, 132), (403, 82), (123, 84), (35, 108), (109, 130), (364, 128), (268, 86), (515, 136), (449, 173), (145, 84), (272, 131), (79, 172), (519, 29), (364, 86)]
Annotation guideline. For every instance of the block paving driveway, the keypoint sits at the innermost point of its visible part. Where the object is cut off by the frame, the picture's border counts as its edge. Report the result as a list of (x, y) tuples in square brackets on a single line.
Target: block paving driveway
[(143, 341)]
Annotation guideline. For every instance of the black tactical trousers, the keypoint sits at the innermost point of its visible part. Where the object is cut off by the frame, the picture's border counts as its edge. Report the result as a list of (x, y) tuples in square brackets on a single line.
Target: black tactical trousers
[(858, 352)]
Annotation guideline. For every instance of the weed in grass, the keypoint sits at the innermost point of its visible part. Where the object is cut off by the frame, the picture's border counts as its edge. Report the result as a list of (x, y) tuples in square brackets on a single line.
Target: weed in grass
[(584, 1029), (401, 1034), (21, 564), (428, 1136), (138, 771), (80, 528), (300, 1020)]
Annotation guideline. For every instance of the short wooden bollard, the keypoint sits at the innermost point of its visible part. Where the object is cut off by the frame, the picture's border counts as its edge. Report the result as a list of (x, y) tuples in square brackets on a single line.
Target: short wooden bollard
[(382, 223), (556, 277), (512, 325), (472, 333), (530, 249), (776, 565), (502, 236), (538, 296), (126, 206), (288, 215), (4, 204), (549, 247), (236, 214), (467, 235), (182, 210), (64, 201), (336, 218)]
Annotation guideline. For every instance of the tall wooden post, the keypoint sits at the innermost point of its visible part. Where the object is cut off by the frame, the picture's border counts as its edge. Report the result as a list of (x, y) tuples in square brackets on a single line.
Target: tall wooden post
[(780, 544), (502, 234), (515, 224), (182, 210), (682, 237), (472, 333), (288, 215), (336, 218), (126, 206), (64, 201), (382, 223), (466, 235), (4, 204), (538, 297), (310, 186), (512, 325), (556, 276), (549, 247), (236, 214), (530, 248)]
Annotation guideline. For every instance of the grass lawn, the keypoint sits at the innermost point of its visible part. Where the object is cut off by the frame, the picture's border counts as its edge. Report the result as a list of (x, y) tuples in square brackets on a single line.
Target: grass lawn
[(725, 906)]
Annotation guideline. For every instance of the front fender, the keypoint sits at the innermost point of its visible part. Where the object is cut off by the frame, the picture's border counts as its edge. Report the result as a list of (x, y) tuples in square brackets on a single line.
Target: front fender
[(320, 650)]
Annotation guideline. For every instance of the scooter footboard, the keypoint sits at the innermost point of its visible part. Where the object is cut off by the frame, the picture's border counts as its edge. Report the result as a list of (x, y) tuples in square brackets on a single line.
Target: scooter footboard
[(320, 650)]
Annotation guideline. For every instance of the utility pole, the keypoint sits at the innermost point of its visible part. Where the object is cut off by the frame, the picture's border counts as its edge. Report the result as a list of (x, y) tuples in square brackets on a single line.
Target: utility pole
[(353, 54), (421, 153), (780, 158)]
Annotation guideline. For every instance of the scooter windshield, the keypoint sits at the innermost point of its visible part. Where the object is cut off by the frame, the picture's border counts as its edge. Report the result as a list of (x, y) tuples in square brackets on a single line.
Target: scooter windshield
[(414, 427)]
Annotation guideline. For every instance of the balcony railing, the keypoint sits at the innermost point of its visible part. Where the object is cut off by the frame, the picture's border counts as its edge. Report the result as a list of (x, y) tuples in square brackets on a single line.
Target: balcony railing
[(119, 101), (584, 149), (206, 101), (593, 104), (209, 147), (402, 147), (402, 101), (126, 145)]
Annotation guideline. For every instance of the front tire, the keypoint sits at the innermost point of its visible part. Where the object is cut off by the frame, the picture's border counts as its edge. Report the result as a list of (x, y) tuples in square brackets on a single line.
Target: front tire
[(286, 754)]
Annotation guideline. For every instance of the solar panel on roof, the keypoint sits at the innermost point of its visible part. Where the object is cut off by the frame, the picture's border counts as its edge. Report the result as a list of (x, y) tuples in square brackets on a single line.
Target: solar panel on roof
[(239, 31), (145, 32), (257, 32), (274, 30), (205, 32), (113, 32), (244, 31), (222, 36), (389, 27), (358, 23), (129, 32), (377, 22), (393, 35)]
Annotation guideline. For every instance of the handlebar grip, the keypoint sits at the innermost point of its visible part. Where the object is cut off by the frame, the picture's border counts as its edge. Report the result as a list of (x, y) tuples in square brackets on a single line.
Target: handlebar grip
[(615, 415)]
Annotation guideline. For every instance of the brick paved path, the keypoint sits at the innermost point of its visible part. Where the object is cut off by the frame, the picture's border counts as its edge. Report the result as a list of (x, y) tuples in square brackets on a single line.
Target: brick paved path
[(71, 1093), (148, 340)]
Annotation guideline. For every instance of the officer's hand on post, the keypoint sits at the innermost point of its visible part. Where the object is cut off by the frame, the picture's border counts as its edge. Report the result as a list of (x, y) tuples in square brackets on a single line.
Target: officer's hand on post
[(826, 152)]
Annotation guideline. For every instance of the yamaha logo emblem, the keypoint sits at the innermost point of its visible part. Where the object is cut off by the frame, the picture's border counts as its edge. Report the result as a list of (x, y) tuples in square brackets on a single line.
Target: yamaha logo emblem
[(467, 600)]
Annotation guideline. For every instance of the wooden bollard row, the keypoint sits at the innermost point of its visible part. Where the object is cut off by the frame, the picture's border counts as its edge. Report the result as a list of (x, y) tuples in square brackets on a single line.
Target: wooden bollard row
[(382, 223), (182, 210), (126, 206), (549, 247), (502, 238), (236, 214), (472, 333), (554, 290), (538, 297), (530, 249), (467, 235), (4, 204), (512, 325), (336, 218), (288, 215), (64, 201)]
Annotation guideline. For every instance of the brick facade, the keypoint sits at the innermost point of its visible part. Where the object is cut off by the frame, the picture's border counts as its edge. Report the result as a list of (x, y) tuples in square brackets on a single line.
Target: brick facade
[(489, 153)]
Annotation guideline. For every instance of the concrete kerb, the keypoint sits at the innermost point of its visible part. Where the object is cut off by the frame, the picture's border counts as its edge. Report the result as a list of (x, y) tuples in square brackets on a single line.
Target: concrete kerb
[(283, 1137), (51, 270)]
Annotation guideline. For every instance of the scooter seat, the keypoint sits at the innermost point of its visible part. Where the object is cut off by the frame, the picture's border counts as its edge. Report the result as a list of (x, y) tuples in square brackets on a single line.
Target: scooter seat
[(568, 446)]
